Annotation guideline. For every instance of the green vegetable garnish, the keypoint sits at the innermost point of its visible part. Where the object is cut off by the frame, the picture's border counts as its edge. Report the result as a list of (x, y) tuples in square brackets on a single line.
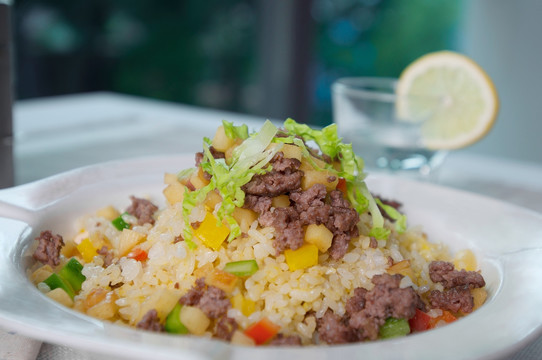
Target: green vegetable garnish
[(242, 268), (173, 321), (72, 273), (400, 219), (234, 132), (56, 281), (120, 224), (394, 328)]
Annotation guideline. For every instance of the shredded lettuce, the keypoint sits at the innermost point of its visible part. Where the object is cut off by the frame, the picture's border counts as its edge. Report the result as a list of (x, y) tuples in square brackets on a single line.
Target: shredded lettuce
[(234, 132), (400, 219)]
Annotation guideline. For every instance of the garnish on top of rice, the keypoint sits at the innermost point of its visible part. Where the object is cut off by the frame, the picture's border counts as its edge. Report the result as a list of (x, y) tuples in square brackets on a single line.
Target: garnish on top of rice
[(273, 238)]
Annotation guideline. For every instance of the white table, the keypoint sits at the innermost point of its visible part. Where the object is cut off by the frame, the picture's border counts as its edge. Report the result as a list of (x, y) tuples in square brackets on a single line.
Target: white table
[(58, 134)]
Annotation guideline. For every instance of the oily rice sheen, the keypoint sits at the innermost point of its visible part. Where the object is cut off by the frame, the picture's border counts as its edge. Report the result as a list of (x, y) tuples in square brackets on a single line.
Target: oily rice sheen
[(136, 273)]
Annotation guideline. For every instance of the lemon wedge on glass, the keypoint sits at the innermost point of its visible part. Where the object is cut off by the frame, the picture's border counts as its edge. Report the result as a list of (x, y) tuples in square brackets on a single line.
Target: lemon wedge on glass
[(452, 95)]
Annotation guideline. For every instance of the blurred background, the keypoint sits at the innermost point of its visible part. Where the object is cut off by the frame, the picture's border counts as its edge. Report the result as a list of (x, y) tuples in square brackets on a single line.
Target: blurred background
[(278, 58)]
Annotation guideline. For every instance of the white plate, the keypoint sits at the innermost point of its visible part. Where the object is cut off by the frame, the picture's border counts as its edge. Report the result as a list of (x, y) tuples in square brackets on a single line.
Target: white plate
[(506, 239)]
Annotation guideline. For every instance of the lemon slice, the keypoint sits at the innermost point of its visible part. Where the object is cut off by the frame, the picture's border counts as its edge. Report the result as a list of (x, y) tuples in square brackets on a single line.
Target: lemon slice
[(452, 95)]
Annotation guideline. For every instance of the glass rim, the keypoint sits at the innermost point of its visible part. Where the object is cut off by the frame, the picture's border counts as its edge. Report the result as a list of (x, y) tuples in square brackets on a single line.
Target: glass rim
[(374, 88)]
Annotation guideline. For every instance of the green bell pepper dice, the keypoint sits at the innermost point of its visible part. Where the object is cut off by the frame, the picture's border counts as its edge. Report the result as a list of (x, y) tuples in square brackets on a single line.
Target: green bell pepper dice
[(56, 281), (173, 321), (71, 272)]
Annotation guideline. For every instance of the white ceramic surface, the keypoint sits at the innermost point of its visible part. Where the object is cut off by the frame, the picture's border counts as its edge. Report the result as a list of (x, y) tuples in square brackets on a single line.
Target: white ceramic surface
[(506, 239)]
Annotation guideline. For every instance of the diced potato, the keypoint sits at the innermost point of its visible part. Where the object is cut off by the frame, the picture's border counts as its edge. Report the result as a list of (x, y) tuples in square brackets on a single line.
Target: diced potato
[(194, 319), (465, 259), (198, 180), (211, 233), (174, 193), (229, 153), (69, 249), (127, 240), (239, 338), (213, 198), (60, 296), (306, 165), (319, 235), (170, 178), (244, 218), (221, 141), (313, 177), (108, 212), (302, 258), (280, 201), (41, 273), (402, 268), (222, 280), (292, 152), (106, 309), (479, 296)]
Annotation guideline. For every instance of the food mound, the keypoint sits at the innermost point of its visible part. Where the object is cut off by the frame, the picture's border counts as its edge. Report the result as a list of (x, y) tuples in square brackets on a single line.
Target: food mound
[(273, 238)]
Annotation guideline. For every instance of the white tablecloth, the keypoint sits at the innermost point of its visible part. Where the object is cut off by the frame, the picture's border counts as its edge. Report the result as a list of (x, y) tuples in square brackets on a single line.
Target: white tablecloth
[(58, 134)]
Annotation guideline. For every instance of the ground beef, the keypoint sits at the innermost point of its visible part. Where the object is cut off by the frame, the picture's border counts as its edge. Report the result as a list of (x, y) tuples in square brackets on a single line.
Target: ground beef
[(260, 204), (193, 295), (385, 300), (285, 340), (210, 299), (333, 329), (214, 302), (142, 209), (337, 215), (48, 250), (198, 158), (357, 301), (288, 229), (444, 272), (339, 246), (225, 327), (283, 178), (455, 300), (344, 217), (150, 321), (107, 255)]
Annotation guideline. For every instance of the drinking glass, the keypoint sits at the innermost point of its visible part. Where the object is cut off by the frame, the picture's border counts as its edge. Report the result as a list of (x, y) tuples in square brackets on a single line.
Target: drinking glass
[(365, 110)]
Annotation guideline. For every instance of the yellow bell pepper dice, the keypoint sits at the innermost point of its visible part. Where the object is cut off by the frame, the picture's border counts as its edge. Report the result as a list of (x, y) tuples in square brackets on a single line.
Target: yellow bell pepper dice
[(87, 250), (212, 233), (302, 258)]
